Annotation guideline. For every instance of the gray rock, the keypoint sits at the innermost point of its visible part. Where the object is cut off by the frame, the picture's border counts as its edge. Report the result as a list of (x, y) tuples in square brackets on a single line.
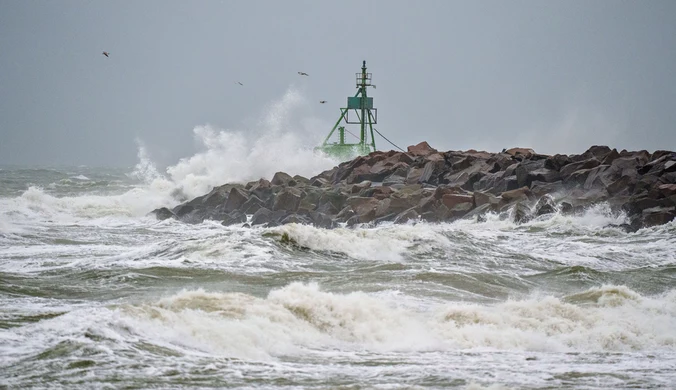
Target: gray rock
[(544, 205), (163, 213), (236, 199), (233, 218), (281, 178), (288, 200), (408, 215), (262, 216), (252, 205), (576, 166)]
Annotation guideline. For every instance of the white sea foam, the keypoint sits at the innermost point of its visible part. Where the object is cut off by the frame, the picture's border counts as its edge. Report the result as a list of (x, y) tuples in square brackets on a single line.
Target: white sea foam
[(80, 177), (302, 316)]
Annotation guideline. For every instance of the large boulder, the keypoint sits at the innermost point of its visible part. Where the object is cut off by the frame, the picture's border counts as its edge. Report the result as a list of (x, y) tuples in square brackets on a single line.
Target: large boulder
[(218, 195), (252, 205), (539, 188), (362, 205), (579, 165), (288, 200), (407, 215), (524, 169), (233, 218), (281, 179), (236, 199), (598, 152), (557, 161), (453, 200), (331, 202), (544, 205), (521, 213), (522, 194), (658, 216), (542, 175), (162, 213), (421, 149), (482, 198), (520, 152)]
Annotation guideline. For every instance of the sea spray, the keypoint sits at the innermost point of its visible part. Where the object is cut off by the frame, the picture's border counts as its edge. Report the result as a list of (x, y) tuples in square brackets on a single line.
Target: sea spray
[(280, 141)]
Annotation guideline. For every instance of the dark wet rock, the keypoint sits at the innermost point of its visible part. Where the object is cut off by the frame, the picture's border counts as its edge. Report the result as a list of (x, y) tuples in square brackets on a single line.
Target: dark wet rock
[(482, 198), (319, 182), (295, 218), (288, 200), (252, 205), (479, 212), (539, 188), (365, 208), (236, 199), (667, 190), (406, 216), (183, 209), (300, 180), (544, 205), (217, 196), (580, 165), (566, 208), (625, 184), (658, 216), (261, 216), (524, 169), (598, 152), (522, 194), (610, 157), (345, 214), (443, 186), (521, 213), (321, 220), (578, 178), (458, 202), (331, 200), (543, 175), (359, 187), (233, 218), (281, 178), (163, 213)]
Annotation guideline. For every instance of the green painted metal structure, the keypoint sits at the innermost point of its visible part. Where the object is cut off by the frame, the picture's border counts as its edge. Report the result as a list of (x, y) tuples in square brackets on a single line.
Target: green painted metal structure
[(366, 116)]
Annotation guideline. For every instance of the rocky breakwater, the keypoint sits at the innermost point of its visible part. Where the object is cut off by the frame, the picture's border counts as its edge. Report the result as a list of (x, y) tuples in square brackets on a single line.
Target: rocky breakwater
[(425, 184)]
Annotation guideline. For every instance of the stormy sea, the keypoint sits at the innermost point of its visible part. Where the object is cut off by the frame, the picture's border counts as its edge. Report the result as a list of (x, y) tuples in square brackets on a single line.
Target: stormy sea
[(94, 293)]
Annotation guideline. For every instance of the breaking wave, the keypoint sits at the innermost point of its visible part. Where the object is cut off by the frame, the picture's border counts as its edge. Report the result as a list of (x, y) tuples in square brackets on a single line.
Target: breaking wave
[(301, 318)]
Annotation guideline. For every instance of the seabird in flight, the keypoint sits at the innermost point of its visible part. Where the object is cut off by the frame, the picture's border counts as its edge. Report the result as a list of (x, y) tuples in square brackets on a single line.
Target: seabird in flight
[(322, 101), (239, 83), (303, 74), (105, 53)]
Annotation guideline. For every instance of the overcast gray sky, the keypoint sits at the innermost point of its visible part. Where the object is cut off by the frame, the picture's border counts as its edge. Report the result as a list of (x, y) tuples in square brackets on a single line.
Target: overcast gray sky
[(557, 76)]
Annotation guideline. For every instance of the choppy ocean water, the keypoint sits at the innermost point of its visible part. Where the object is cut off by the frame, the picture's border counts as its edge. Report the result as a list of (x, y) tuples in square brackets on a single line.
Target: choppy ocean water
[(95, 294)]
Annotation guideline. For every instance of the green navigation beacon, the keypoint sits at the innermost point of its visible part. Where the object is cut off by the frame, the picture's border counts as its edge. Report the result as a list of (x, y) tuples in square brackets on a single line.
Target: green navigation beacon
[(359, 111)]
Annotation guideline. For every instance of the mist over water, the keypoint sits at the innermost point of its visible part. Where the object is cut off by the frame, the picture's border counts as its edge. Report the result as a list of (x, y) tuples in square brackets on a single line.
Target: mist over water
[(95, 294)]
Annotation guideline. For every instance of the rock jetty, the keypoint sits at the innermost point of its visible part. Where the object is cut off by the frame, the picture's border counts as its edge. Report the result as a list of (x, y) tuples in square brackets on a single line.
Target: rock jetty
[(429, 185)]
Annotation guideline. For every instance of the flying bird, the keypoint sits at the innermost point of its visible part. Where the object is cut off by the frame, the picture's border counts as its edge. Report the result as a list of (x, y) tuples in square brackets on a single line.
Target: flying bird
[(303, 74), (322, 101), (239, 83), (105, 53), (374, 86)]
